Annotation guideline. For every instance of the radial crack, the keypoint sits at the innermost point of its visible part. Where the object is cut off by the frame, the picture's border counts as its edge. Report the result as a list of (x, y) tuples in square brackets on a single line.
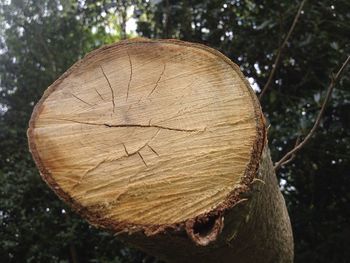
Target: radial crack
[(143, 160), (127, 154), (75, 96), (154, 151), (81, 122), (143, 146), (149, 126), (157, 83), (132, 125), (139, 149), (99, 94), (130, 77), (110, 86)]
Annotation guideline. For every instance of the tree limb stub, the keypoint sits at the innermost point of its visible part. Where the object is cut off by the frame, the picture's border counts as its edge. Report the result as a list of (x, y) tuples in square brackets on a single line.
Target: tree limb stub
[(164, 144)]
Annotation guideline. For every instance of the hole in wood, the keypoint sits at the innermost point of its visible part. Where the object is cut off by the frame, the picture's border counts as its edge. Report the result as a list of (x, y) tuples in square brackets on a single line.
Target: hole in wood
[(152, 133), (203, 229)]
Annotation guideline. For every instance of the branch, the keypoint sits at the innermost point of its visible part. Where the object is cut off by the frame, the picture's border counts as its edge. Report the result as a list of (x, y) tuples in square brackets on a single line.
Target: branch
[(73, 253), (285, 159), (279, 51), (291, 158)]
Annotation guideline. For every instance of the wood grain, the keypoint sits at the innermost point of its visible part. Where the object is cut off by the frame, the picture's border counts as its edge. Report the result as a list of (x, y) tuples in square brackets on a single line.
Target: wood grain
[(148, 133)]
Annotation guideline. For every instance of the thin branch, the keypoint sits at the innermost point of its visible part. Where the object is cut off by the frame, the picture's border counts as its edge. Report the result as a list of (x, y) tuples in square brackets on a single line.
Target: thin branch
[(291, 158), (331, 86), (280, 49), (73, 253)]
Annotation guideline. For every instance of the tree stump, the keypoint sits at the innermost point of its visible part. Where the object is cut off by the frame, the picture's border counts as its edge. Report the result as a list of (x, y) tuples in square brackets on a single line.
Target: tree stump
[(164, 144)]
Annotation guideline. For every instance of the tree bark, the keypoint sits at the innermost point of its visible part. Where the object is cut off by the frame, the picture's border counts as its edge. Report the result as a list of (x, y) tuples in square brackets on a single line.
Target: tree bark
[(256, 229), (164, 144)]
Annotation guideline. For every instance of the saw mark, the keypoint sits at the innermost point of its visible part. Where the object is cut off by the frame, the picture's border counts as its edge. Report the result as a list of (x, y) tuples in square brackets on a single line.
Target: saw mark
[(110, 87), (192, 109), (86, 172)]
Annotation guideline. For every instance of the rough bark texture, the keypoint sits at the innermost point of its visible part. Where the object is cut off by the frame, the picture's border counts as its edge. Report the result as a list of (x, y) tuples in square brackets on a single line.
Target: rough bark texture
[(164, 144), (256, 229)]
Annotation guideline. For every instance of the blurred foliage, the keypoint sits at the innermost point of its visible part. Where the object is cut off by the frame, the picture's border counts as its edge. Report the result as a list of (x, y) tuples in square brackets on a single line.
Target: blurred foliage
[(40, 39)]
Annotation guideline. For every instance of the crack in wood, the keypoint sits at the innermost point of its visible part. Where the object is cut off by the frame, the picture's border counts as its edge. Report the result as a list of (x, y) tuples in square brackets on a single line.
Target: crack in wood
[(75, 121), (130, 77), (75, 96), (149, 146), (143, 160), (142, 147), (99, 94), (127, 154), (178, 76), (130, 125), (157, 83), (150, 126), (110, 87)]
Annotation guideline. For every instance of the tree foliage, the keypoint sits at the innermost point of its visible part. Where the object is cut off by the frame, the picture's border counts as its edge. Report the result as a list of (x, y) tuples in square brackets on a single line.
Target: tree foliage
[(40, 39)]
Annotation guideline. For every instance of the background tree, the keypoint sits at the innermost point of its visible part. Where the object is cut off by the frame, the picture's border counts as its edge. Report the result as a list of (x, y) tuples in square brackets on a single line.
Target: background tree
[(41, 39)]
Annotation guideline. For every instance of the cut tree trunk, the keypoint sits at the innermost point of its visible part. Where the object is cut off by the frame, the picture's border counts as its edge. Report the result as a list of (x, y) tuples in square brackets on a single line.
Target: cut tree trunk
[(164, 144)]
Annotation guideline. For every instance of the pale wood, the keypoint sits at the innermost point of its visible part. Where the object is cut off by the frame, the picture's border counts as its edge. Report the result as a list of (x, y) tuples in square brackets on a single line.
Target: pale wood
[(160, 142), (149, 134), (257, 229)]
